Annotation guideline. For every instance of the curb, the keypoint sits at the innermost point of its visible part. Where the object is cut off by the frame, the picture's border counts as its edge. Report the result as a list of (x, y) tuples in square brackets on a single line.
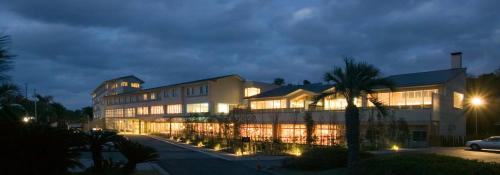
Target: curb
[(159, 169)]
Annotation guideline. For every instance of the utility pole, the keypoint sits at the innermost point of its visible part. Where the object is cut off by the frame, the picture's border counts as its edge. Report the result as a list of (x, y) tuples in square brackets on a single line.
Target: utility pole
[(34, 95), (26, 90)]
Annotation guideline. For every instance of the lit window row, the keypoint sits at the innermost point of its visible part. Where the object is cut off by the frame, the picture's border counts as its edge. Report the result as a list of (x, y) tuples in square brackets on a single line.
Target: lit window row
[(339, 103), (268, 104), (135, 85), (405, 98), (142, 111), (174, 109), (197, 108), (251, 91), (156, 109)]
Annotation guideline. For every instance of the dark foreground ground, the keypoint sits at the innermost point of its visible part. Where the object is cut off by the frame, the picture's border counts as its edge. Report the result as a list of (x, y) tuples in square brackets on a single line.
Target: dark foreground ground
[(181, 161)]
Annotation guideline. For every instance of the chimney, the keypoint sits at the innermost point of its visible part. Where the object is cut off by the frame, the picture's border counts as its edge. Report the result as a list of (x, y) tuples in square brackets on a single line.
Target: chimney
[(456, 60)]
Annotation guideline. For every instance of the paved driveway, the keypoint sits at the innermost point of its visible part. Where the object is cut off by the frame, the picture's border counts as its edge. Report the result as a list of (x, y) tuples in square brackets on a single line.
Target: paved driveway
[(484, 155), (181, 161), (462, 152)]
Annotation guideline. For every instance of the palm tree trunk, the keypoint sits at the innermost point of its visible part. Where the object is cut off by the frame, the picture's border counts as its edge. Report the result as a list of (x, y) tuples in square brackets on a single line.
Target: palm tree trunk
[(97, 157), (352, 133)]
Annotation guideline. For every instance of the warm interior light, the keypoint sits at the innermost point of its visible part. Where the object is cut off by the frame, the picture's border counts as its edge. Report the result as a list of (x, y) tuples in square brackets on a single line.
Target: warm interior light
[(217, 147), (200, 144), (395, 147), (26, 119), (477, 101)]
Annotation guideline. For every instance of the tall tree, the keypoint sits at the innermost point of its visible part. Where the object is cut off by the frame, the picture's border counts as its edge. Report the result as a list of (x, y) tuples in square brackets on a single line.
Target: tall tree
[(279, 81), (87, 112), (305, 82), (10, 109), (352, 81), (5, 58)]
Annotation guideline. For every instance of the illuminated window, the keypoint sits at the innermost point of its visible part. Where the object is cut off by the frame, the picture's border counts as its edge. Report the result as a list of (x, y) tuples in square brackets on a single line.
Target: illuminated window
[(109, 113), (153, 96), (458, 100), (428, 96), (257, 131), (251, 91), (156, 109), (397, 99), (268, 104), (130, 112), (124, 83), (197, 108), (297, 103), (135, 85), (142, 111), (174, 109), (293, 133), (145, 97), (223, 108), (338, 103), (118, 113)]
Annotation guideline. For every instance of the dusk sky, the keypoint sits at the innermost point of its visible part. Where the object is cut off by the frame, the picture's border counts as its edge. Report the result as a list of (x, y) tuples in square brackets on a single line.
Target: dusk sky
[(65, 48)]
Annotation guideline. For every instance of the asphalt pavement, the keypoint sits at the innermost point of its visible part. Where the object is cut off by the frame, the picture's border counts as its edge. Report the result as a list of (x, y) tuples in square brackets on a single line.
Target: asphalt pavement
[(181, 161)]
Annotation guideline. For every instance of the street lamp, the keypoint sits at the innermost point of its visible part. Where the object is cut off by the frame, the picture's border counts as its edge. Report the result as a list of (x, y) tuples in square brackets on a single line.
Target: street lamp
[(26, 119), (476, 103)]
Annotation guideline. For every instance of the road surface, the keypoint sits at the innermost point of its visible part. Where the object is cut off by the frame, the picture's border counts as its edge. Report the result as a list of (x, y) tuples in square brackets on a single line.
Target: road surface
[(181, 161)]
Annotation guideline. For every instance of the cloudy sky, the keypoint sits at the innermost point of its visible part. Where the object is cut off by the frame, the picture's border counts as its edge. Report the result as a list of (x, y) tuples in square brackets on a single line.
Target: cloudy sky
[(66, 48)]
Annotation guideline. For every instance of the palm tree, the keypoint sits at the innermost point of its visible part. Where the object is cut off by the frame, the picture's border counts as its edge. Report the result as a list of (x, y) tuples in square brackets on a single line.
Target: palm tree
[(5, 58), (352, 81), (135, 153), (96, 140), (10, 109)]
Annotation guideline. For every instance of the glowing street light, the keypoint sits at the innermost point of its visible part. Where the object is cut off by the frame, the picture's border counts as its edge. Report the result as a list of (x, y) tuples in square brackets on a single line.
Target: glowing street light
[(26, 119), (476, 103)]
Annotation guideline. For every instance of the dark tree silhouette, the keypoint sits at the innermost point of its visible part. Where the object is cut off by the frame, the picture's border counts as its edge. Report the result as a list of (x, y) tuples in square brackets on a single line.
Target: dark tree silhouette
[(5, 58), (351, 81), (306, 82), (279, 81)]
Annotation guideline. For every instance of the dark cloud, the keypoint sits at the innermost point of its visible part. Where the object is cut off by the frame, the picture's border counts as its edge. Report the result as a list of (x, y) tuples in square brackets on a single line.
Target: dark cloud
[(67, 47)]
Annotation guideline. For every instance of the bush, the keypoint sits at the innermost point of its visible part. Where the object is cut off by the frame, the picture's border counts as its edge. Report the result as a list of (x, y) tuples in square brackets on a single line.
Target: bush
[(421, 164), (321, 158), (38, 149), (136, 153)]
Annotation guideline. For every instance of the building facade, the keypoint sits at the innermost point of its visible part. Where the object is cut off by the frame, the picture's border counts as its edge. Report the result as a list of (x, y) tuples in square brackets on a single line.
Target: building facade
[(429, 103)]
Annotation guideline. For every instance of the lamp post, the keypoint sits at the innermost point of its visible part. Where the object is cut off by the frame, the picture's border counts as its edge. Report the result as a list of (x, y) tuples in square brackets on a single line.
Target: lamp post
[(476, 102)]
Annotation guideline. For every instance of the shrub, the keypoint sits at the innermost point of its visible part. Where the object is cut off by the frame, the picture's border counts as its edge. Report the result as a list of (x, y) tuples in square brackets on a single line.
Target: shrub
[(321, 158), (421, 164), (136, 153), (38, 149)]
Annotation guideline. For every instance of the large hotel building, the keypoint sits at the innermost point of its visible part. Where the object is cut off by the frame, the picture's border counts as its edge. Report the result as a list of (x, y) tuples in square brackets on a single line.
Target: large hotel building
[(430, 102)]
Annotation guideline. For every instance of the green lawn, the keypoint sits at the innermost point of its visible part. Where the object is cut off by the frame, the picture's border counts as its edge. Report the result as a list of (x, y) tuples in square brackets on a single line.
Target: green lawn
[(396, 164), (425, 164)]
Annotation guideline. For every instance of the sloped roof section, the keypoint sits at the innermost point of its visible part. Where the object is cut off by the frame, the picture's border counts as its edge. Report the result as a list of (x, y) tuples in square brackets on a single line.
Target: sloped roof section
[(401, 80), (188, 82), (285, 90), (119, 78), (425, 78), (201, 80)]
